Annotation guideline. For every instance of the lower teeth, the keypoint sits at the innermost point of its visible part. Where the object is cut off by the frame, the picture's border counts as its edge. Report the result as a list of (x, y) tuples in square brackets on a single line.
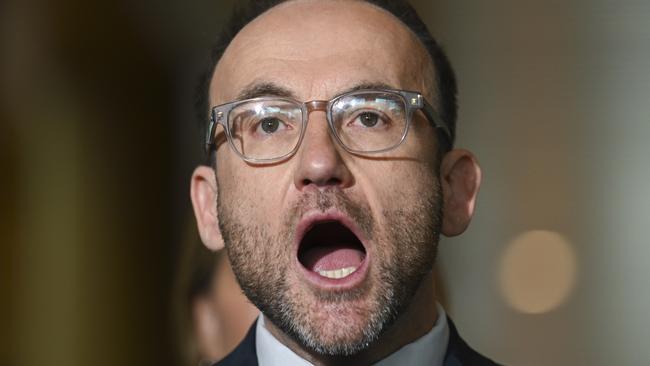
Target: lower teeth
[(338, 273)]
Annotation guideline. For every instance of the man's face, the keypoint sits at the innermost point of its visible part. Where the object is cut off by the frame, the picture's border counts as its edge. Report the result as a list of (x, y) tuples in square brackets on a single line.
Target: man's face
[(295, 229)]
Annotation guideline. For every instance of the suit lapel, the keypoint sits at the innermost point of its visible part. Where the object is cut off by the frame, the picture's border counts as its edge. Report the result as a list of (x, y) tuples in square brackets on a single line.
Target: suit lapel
[(459, 353)]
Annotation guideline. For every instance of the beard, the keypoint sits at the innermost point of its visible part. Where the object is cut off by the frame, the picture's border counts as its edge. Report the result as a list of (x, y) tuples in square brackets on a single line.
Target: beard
[(404, 249)]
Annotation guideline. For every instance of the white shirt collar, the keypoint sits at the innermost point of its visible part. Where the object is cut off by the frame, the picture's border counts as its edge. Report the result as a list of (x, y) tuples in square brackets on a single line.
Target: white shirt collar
[(429, 349)]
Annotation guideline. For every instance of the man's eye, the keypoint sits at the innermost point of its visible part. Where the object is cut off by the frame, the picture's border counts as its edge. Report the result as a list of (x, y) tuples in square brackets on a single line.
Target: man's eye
[(368, 120), (270, 125)]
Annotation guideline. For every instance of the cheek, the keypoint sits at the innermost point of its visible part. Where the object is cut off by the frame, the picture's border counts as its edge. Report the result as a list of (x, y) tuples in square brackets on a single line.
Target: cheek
[(406, 171), (396, 185), (411, 180), (253, 193)]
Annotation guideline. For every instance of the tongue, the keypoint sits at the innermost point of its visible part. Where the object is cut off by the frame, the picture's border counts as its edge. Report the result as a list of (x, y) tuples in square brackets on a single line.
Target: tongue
[(331, 257)]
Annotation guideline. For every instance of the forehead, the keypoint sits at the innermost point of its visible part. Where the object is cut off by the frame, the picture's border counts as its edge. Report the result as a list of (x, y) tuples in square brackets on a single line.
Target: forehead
[(318, 48)]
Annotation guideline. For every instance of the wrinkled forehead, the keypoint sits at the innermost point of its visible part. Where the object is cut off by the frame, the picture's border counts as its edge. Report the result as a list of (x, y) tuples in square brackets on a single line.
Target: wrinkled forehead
[(318, 48)]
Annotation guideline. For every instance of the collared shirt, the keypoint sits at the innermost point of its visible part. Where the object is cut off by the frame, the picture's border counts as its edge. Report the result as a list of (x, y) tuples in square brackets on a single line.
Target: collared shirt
[(427, 350)]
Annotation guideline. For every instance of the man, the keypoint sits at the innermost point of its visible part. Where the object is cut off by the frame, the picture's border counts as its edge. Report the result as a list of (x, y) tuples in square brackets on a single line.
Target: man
[(333, 173)]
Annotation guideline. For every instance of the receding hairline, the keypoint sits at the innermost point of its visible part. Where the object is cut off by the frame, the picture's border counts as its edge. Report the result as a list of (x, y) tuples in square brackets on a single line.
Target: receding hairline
[(286, 3), (423, 62)]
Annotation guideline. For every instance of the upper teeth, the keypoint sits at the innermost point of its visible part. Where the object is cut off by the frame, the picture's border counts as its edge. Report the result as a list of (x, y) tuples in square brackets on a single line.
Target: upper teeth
[(337, 273)]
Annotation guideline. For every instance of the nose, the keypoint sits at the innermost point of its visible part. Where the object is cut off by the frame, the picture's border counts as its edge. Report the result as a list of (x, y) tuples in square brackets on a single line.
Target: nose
[(320, 163)]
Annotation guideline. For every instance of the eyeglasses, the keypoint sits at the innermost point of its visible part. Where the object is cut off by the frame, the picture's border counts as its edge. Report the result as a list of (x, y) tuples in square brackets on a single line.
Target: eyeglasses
[(270, 129)]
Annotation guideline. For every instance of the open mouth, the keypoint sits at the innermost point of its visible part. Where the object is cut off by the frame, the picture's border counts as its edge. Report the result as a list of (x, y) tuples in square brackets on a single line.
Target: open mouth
[(331, 250)]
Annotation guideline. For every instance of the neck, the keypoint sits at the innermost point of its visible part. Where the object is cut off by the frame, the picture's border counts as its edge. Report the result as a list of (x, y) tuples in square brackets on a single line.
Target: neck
[(419, 318)]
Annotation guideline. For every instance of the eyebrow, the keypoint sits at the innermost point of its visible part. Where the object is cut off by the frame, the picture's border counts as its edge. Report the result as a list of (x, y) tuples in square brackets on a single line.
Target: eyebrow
[(271, 89), (265, 89), (368, 85)]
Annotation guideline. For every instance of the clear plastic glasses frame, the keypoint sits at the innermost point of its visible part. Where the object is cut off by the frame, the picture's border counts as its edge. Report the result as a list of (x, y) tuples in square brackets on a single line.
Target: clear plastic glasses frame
[(412, 101)]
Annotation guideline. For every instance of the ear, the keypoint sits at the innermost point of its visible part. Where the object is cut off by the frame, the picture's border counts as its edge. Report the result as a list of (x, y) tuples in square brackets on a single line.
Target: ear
[(460, 177), (203, 191)]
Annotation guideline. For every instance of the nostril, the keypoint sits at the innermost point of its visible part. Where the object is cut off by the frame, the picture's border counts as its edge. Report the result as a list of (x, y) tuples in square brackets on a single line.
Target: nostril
[(329, 182), (333, 182)]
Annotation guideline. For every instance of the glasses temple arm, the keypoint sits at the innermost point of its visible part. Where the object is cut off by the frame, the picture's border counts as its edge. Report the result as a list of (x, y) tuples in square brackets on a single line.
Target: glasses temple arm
[(436, 120)]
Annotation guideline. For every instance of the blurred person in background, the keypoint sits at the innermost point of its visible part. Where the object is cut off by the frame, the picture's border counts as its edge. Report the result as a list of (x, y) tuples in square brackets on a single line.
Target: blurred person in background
[(211, 313), (331, 176)]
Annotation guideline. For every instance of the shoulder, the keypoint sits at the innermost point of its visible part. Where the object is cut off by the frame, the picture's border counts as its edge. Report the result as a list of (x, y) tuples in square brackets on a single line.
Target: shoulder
[(460, 353), (245, 354)]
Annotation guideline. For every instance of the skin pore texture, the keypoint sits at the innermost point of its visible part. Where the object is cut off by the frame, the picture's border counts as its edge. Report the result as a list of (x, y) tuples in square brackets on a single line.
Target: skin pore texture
[(400, 201)]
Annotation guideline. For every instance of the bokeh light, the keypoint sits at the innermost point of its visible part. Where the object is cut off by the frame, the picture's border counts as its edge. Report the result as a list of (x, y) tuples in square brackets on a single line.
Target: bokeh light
[(537, 272)]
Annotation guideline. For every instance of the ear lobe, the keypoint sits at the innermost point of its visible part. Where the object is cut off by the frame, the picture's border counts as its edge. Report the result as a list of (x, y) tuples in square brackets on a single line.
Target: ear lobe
[(203, 191), (460, 177)]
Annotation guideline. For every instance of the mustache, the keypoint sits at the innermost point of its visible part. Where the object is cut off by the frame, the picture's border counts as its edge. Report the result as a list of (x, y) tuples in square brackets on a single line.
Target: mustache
[(332, 199)]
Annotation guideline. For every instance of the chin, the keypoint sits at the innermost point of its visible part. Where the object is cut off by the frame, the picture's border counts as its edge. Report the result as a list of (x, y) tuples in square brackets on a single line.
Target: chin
[(338, 328)]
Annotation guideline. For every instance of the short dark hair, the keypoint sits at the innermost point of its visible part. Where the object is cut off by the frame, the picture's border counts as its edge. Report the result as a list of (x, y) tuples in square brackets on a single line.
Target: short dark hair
[(445, 79)]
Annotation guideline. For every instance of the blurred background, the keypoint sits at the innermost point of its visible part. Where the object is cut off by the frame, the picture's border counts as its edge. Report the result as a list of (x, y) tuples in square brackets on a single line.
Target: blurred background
[(98, 139)]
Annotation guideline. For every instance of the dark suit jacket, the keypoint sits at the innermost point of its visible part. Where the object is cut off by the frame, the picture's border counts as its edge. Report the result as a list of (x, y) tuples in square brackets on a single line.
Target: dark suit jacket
[(458, 352)]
